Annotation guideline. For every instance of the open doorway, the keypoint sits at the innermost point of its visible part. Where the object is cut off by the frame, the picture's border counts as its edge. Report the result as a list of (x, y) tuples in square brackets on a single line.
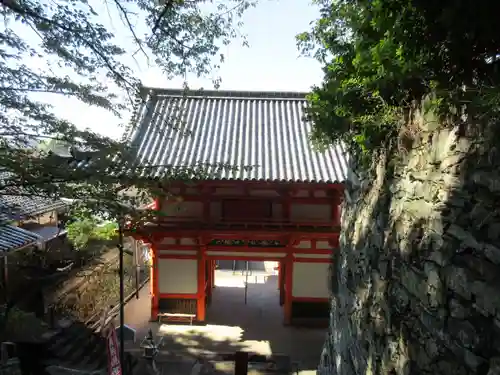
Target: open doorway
[(243, 311), (245, 293)]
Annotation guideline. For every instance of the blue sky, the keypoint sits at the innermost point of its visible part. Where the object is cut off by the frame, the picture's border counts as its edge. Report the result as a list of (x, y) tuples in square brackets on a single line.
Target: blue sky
[(270, 63)]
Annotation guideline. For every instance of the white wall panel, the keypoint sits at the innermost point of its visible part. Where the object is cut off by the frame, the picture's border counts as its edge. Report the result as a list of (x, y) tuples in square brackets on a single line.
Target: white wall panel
[(312, 212), (178, 276), (310, 280)]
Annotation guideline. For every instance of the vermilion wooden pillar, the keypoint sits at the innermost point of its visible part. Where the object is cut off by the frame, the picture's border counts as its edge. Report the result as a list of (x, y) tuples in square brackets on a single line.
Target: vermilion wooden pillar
[(213, 274), (212, 270), (281, 282), (287, 310), (336, 208), (211, 279), (208, 276), (153, 279), (200, 305)]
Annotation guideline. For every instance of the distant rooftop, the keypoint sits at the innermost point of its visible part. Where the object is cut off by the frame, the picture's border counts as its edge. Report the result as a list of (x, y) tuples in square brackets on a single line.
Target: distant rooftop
[(16, 204)]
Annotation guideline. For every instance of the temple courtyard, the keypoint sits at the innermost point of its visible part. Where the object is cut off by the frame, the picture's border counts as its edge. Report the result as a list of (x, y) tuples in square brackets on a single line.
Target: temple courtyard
[(231, 324)]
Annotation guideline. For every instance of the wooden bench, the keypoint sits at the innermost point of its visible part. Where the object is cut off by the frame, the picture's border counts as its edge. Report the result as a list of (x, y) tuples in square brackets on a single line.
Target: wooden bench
[(176, 317)]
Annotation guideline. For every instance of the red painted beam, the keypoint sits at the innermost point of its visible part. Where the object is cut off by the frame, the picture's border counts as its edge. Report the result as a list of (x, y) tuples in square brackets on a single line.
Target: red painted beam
[(277, 200), (178, 295), (310, 299), (225, 233), (241, 249), (312, 260), (249, 258)]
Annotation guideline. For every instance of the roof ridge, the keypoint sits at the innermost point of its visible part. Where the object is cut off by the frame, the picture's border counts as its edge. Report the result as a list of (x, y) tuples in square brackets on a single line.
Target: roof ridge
[(236, 94)]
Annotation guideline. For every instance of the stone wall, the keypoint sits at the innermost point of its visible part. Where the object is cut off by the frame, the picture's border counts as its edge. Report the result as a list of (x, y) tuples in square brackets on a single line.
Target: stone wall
[(415, 284)]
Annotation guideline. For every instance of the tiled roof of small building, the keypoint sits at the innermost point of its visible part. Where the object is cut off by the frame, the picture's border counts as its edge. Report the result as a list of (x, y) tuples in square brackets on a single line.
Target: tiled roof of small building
[(263, 130), (13, 238), (19, 207), (18, 204)]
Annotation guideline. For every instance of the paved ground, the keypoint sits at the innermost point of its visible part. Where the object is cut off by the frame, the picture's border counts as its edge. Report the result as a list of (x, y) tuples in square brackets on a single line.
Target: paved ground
[(233, 325)]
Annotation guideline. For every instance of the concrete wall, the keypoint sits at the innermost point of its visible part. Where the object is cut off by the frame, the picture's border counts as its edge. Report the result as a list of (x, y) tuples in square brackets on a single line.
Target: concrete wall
[(415, 288), (178, 276), (310, 280)]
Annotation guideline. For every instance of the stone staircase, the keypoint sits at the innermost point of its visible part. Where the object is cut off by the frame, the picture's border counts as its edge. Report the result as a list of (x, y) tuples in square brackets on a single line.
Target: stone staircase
[(76, 346)]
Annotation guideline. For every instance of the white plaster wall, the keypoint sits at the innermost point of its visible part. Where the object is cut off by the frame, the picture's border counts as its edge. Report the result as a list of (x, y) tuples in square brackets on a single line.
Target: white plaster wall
[(178, 276), (166, 241), (183, 209), (313, 212), (188, 241), (310, 280), (304, 244), (263, 193), (301, 194), (170, 242), (177, 252), (323, 245), (320, 194), (229, 191)]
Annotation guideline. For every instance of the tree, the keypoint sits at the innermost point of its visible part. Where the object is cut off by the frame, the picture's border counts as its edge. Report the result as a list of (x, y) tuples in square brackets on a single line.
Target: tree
[(62, 48), (381, 58), (83, 59)]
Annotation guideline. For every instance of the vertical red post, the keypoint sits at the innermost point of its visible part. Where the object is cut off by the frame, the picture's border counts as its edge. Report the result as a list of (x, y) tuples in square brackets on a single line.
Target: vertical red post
[(281, 281), (288, 288), (200, 305), (214, 265), (210, 275), (336, 208), (153, 279)]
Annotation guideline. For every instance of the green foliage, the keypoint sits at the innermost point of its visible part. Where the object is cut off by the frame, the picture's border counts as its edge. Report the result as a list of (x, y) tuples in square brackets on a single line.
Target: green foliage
[(382, 57), (64, 49), (107, 231), (86, 228)]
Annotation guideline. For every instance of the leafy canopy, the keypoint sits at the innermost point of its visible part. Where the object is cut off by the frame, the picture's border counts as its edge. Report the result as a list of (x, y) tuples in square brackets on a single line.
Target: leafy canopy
[(63, 48), (88, 228), (382, 57)]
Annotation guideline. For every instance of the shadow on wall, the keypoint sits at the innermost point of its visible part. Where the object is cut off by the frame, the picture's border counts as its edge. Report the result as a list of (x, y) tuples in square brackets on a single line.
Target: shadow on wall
[(416, 277)]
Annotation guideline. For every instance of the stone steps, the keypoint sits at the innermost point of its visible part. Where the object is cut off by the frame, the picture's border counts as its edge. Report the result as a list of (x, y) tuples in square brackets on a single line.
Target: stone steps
[(76, 346)]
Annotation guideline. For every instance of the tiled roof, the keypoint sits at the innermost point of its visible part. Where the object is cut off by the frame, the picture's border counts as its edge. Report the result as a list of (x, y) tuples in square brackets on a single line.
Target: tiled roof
[(13, 238), (17, 204), (19, 207), (263, 130)]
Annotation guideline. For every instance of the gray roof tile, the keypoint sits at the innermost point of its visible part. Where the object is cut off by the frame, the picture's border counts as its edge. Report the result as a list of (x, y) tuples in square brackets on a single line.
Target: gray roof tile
[(16, 203), (19, 207), (13, 238), (264, 130)]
